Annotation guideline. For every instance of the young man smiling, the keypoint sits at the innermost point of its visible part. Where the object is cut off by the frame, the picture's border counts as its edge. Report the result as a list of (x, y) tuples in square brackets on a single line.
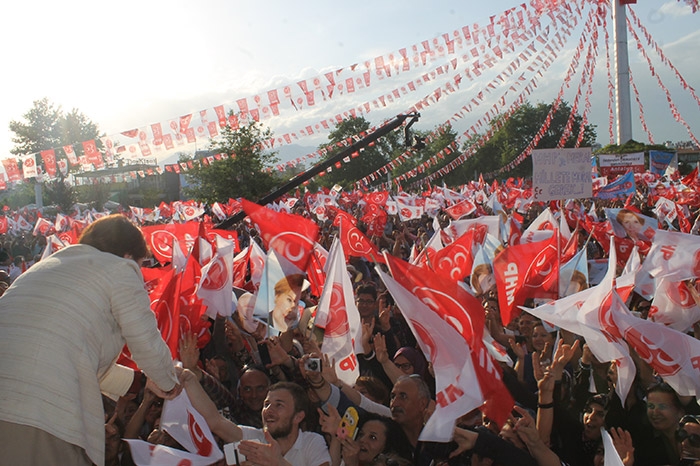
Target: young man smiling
[(281, 441)]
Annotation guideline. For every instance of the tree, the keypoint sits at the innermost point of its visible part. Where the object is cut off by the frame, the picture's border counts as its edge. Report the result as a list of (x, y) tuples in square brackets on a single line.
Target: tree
[(347, 172), (443, 136), (47, 127), (246, 172), (40, 131), (60, 193)]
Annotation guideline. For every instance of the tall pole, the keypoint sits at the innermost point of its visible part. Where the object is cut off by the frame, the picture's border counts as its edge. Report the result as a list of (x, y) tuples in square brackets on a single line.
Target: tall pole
[(623, 108)]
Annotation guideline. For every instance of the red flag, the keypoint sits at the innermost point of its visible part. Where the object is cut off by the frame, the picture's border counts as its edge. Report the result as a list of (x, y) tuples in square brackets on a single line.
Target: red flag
[(43, 227), (92, 154), (49, 158), (291, 236), (315, 270), (461, 209), (160, 238), (466, 314), (165, 304), (354, 242), (454, 261), (524, 271), (443, 347), (12, 169), (337, 314)]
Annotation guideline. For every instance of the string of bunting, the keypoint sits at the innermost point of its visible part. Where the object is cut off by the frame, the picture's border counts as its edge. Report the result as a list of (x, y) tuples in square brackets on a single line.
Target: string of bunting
[(500, 122), (674, 110), (611, 86), (544, 61), (652, 43), (642, 120), (586, 80)]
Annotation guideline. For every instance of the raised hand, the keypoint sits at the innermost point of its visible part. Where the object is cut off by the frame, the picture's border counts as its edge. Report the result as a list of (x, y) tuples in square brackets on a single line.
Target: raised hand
[(189, 353)]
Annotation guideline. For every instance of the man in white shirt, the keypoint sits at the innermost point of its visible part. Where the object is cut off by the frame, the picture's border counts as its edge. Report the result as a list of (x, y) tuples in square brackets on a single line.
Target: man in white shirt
[(281, 441)]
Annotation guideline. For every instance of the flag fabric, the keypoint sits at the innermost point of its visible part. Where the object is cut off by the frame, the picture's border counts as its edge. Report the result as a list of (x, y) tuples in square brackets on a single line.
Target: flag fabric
[(43, 227), (459, 210), (673, 253), (182, 422), (337, 314), (674, 355), (355, 243), (292, 236), (526, 271), (455, 391), (160, 238), (29, 166), (216, 282), (569, 313), (189, 428), (165, 304), (673, 305), (454, 261), (315, 272), (49, 158), (611, 457), (466, 315)]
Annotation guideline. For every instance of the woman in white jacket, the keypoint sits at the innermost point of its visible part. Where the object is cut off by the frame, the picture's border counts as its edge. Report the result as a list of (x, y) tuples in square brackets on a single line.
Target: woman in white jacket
[(63, 323)]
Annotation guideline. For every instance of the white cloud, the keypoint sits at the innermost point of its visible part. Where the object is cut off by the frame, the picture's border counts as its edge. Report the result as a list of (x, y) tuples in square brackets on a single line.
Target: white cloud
[(675, 9)]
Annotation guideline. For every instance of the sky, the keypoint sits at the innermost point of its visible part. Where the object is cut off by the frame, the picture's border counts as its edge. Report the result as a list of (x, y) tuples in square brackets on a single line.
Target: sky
[(136, 63)]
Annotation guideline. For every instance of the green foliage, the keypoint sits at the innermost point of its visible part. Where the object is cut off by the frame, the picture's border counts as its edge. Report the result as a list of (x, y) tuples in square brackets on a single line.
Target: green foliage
[(95, 195), (61, 194), (630, 147), (243, 174), (444, 136), (45, 126), (370, 158), (19, 196), (512, 138)]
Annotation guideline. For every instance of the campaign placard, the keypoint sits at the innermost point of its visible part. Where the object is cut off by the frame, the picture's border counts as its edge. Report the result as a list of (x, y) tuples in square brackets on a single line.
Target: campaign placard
[(561, 174)]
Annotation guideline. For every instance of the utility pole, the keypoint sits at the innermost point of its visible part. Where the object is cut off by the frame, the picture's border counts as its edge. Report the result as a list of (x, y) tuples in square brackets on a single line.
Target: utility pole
[(623, 109)]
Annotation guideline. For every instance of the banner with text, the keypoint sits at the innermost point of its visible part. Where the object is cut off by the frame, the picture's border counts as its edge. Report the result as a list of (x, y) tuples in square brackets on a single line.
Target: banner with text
[(612, 165), (561, 174)]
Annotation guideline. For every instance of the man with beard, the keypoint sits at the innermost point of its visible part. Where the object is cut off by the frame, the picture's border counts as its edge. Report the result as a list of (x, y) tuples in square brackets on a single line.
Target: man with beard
[(281, 441)]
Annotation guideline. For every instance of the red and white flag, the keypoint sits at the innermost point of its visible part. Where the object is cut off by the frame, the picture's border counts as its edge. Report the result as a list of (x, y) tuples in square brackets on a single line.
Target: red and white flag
[(673, 305), (337, 314), (189, 428), (587, 313), (292, 236), (455, 391), (355, 243), (43, 227), (184, 424), (465, 314), (29, 166), (53, 244), (49, 158), (674, 355), (216, 283), (674, 253), (454, 261), (461, 209), (526, 271)]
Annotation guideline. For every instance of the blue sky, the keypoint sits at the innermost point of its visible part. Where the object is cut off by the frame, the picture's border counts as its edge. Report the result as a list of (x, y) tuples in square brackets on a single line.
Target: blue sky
[(136, 63)]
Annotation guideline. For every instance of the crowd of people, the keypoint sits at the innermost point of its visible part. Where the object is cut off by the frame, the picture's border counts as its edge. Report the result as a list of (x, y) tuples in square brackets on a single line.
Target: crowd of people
[(279, 398)]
